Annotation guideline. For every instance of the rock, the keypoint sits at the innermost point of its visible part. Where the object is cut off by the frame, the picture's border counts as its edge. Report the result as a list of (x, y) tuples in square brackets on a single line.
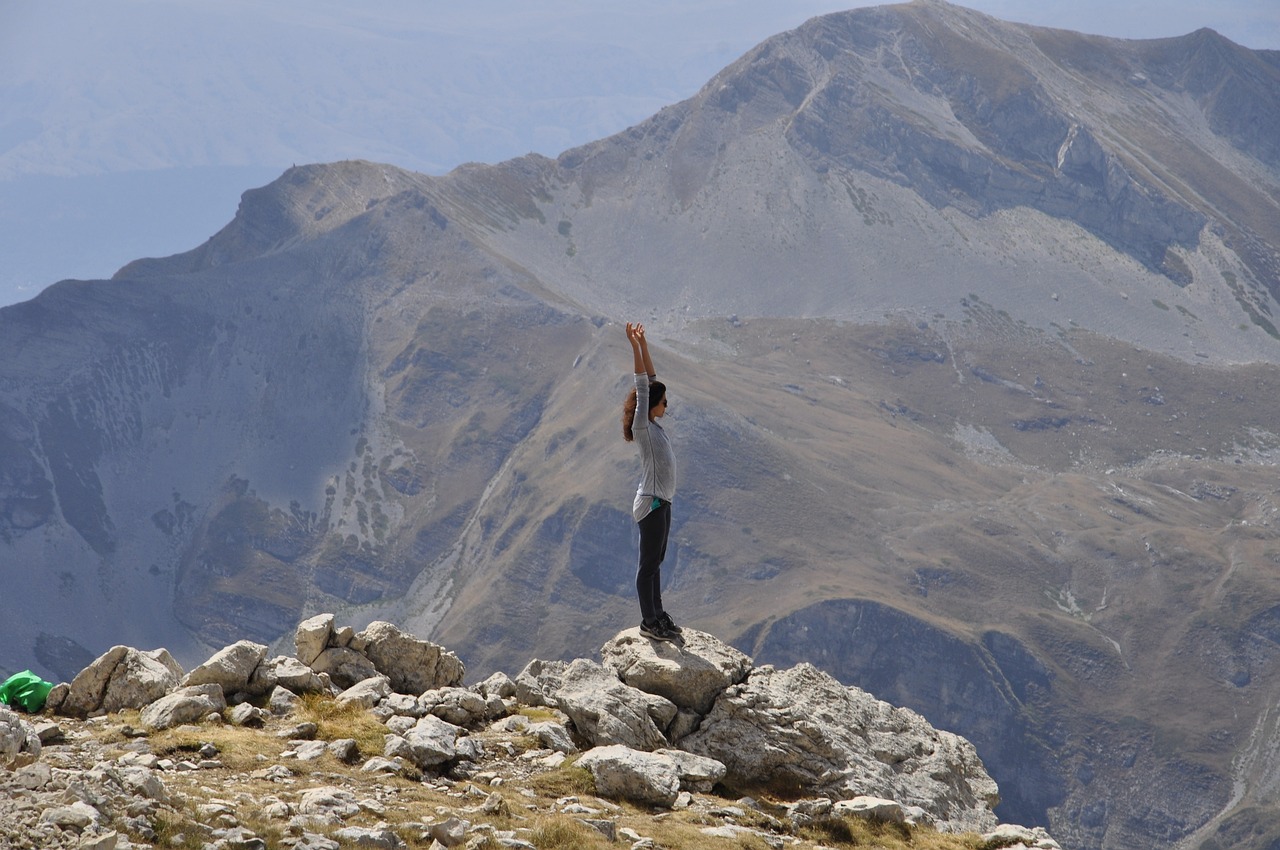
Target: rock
[(245, 714), (120, 677), (449, 833), (431, 741), (139, 679), (499, 685), (185, 705), (379, 838), (282, 702), (302, 732), (287, 672), (49, 732), (603, 709), (231, 667), (308, 750), (379, 764), (691, 674), (629, 774), (344, 666), (78, 816), (697, 773), (19, 743), (412, 664), (1012, 836), (366, 693), (345, 750), (553, 736), (107, 841), (871, 808), (312, 637), (33, 776), (328, 802), (57, 696), (767, 728), (458, 706)]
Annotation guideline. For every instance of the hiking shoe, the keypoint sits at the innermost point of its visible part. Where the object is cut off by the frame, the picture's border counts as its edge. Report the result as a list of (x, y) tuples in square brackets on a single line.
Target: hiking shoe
[(656, 630), (666, 620)]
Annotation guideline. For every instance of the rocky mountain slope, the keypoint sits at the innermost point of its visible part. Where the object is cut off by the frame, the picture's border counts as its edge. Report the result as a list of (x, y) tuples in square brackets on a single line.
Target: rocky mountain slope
[(969, 332), (413, 753)]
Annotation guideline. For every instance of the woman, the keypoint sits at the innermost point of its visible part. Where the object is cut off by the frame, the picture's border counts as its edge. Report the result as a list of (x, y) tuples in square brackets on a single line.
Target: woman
[(645, 405)]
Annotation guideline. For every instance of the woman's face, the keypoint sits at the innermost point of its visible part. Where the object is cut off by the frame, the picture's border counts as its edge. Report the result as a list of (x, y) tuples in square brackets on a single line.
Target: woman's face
[(659, 409)]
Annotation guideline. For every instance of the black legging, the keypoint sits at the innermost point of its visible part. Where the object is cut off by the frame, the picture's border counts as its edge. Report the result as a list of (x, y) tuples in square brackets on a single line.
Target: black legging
[(653, 548)]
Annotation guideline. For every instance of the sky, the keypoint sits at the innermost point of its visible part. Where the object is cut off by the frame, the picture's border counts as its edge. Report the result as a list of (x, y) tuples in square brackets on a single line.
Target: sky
[(130, 128)]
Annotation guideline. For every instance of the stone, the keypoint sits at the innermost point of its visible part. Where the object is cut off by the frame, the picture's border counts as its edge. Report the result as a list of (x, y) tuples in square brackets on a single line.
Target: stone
[(449, 833), (139, 679), (413, 665), (366, 693), (312, 637), (85, 692), (691, 673), (697, 773), (231, 667), (553, 736), (106, 841), (458, 706), (328, 802), (431, 741), (345, 750), (308, 750), (767, 728), (282, 702), (603, 709), (499, 685), (1012, 835), (628, 774), (287, 672), (247, 715), (185, 705), (344, 666), (19, 743), (871, 808), (379, 838)]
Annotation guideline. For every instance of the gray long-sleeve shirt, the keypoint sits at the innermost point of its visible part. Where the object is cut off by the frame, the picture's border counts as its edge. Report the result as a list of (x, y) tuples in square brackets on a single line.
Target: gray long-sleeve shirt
[(657, 460)]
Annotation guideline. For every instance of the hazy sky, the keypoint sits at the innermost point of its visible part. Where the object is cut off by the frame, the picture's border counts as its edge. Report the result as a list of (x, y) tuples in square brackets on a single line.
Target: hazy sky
[(130, 128)]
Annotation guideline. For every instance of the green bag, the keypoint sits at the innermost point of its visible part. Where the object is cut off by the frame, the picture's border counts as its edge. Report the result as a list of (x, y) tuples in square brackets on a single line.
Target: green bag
[(25, 690)]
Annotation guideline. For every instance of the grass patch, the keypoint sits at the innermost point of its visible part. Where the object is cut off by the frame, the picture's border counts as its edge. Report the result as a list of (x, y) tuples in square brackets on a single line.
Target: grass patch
[(565, 833), (336, 720), (564, 781)]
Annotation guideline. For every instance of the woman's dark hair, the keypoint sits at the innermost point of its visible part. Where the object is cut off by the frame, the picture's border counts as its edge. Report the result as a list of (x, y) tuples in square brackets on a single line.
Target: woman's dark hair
[(657, 392)]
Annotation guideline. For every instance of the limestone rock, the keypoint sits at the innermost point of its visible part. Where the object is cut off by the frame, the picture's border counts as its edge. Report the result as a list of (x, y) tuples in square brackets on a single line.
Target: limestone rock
[(603, 709), (697, 773), (366, 693), (185, 705), (139, 679), (287, 672), (1013, 836), (629, 774), (19, 743), (871, 808), (312, 637), (344, 666), (803, 725), (282, 702), (690, 674), (412, 664), (431, 741), (89, 685), (459, 706), (328, 802), (231, 667)]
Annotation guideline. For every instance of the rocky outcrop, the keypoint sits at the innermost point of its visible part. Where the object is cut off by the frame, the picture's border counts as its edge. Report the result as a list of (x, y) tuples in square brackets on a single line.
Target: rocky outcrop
[(736, 723), (802, 725), (120, 678)]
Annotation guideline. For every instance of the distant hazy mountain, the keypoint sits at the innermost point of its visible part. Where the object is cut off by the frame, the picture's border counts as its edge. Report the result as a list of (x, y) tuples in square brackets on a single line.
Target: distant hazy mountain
[(969, 329)]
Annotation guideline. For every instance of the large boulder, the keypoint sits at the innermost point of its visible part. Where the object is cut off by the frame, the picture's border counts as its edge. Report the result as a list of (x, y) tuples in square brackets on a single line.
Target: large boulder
[(19, 743), (628, 774), (691, 674), (603, 709), (802, 725), (345, 666), (413, 665), (231, 667), (429, 742), (122, 677), (185, 705), (286, 672), (312, 637)]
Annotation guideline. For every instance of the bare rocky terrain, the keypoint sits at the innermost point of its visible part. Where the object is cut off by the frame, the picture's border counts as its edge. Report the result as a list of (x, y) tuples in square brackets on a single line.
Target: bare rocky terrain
[(969, 333)]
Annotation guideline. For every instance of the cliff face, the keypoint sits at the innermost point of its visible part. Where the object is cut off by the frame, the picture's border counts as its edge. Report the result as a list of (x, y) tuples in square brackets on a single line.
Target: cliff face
[(967, 331)]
